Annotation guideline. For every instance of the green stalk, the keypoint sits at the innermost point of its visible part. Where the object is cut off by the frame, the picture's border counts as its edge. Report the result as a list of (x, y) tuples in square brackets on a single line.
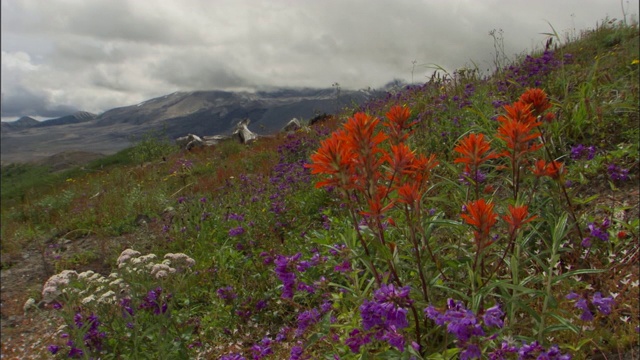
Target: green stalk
[(559, 232)]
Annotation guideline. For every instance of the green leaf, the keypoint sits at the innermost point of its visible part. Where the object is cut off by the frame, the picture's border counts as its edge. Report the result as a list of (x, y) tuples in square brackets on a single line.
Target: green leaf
[(577, 272), (566, 325)]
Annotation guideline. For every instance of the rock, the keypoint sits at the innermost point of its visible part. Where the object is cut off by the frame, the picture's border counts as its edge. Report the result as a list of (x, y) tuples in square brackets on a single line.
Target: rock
[(243, 133), (292, 125), (189, 142)]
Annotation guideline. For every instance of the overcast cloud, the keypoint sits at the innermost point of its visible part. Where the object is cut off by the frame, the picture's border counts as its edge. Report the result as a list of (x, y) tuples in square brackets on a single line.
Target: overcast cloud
[(59, 56)]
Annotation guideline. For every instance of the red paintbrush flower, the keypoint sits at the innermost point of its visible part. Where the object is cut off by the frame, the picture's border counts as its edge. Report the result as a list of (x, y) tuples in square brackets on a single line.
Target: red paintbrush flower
[(517, 217), (359, 134), (521, 112), (400, 161), (410, 194), (518, 135), (398, 123), (474, 150), (537, 100), (480, 215), (551, 169), (333, 158)]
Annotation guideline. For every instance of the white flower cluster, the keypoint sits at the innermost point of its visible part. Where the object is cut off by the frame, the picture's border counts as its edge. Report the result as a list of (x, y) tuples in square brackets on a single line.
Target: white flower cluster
[(92, 287), (131, 261), (53, 287), (180, 261)]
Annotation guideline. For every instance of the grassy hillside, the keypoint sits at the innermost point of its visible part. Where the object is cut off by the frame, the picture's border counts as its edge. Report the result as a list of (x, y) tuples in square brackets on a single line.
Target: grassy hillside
[(470, 216)]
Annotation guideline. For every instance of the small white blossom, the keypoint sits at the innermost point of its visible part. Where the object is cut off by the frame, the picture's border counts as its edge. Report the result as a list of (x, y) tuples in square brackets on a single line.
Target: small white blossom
[(107, 297), (161, 274), (86, 274), (125, 256), (162, 267), (88, 299), (147, 257), (31, 302)]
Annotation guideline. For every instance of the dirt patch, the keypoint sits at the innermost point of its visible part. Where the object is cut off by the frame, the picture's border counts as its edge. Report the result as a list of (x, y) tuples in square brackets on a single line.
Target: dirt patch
[(26, 335)]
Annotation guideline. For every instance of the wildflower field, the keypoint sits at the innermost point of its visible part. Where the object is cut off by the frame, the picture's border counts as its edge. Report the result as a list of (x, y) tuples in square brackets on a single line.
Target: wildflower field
[(469, 217)]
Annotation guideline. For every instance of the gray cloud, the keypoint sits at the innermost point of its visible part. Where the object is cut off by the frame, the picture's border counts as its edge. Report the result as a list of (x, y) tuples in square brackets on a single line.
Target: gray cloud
[(26, 102), (105, 53)]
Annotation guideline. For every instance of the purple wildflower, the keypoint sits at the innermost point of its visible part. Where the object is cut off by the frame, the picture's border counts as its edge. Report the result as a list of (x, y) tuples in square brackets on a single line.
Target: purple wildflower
[(356, 339), (227, 294), (616, 173), (53, 349), (602, 304), (493, 317), (306, 319), (344, 267), (600, 230), (296, 353), (262, 349), (236, 231), (471, 351)]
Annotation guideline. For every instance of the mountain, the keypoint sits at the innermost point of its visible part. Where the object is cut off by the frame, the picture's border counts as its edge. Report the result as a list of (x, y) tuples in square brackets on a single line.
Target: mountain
[(198, 112), (78, 117), (24, 122)]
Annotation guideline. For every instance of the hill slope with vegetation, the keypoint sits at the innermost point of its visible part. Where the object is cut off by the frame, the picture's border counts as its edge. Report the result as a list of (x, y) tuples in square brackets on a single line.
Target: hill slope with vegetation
[(468, 217)]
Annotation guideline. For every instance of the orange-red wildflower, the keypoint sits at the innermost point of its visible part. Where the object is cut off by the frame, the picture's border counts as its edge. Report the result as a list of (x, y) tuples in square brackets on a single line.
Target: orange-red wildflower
[(517, 217), (359, 134), (422, 166), (376, 202), (481, 216), (518, 135), (521, 112), (410, 194), (474, 150), (398, 123), (552, 169), (401, 160), (333, 159), (537, 99)]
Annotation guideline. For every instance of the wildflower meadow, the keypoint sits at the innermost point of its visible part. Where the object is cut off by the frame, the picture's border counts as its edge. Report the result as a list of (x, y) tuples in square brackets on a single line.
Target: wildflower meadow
[(469, 217)]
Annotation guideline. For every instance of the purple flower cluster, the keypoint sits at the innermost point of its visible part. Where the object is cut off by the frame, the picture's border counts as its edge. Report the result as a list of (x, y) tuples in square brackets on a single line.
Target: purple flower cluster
[(236, 231), (479, 177), (181, 166), (93, 337), (599, 231), (531, 72), (285, 270), (306, 319), (156, 301), (465, 326), (617, 173), (580, 151), (226, 294), (262, 349), (528, 351), (603, 304), (384, 317)]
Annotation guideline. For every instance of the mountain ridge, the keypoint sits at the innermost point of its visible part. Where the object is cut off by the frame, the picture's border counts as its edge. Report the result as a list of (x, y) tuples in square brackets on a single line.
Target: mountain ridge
[(202, 112)]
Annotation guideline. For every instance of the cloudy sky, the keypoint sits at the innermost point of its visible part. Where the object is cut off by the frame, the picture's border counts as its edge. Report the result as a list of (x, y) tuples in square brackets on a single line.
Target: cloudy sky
[(59, 56)]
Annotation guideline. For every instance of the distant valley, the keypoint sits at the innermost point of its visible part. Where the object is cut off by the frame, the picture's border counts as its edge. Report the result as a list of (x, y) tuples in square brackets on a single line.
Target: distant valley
[(176, 114)]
